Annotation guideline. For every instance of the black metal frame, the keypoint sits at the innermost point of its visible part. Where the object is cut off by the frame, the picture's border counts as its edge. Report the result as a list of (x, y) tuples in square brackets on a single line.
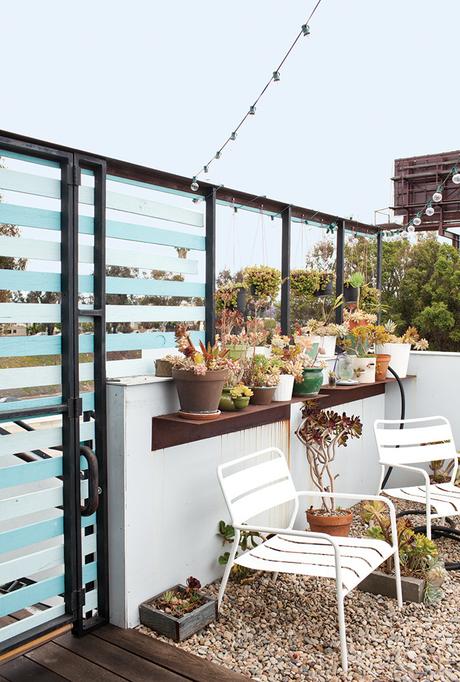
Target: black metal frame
[(70, 407), (339, 268), (210, 287), (286, 218)]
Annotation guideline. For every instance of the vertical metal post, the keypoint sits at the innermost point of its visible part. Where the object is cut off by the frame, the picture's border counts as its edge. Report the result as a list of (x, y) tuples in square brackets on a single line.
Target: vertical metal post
[(379, 268), (210, 289), (100, 405), (285, 270), (74, 595), (339, 267)]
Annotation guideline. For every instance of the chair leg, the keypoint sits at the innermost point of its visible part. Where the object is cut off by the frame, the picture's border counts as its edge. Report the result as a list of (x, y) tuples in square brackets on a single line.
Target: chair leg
[(342, 632), (275, 577), (398, 578), (228, 568)]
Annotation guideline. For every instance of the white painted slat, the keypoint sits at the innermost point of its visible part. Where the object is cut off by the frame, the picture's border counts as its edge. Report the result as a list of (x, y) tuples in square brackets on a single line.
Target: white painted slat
[(154, 209), (48, 375), (414, 436), (147, 257), (255, 477), (261, 500), (29, 503), (41, 439), (25, 624), (149, 313), (28, 183), (417, 453), (89, 544), (26, 566), (91, 601)]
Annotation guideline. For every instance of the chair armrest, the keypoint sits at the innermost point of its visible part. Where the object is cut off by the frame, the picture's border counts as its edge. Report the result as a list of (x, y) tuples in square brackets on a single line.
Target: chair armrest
[(288, 531), (410, 468)]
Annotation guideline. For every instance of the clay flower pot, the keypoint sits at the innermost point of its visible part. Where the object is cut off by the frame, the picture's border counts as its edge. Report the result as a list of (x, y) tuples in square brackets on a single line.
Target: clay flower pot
[(382, 362), (263, 395), (199, 393), (241, 403), (400, 354), (338, 524)]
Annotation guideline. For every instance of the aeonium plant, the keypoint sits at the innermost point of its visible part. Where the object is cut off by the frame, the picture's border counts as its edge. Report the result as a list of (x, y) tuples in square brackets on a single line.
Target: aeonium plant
[(322, 432), (199, 361)]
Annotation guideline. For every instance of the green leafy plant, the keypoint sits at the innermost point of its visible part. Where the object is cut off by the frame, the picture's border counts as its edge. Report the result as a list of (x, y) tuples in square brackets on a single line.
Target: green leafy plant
[(263, 281), (417, 554), (304, 283), (248, 540), (355, 280)]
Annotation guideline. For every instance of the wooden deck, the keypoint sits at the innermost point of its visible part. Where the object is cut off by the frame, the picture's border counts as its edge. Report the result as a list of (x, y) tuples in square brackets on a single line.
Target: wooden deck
[(110, 654)]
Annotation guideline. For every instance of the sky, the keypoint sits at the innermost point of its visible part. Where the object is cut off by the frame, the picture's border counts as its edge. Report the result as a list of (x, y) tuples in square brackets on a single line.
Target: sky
[(164, 83)]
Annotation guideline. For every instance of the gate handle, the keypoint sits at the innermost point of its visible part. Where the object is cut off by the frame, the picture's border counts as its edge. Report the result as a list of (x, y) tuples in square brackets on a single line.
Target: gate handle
[(93, 481)]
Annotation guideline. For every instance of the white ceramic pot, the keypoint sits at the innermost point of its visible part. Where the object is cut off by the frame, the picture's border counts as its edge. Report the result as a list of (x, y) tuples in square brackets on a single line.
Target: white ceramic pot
[(400, 354), (326, 345), (284, 388), (364, 369), (261, 350)]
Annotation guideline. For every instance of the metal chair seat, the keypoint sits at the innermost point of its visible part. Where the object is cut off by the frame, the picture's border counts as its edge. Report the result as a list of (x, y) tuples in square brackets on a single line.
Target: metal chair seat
[(315, 557), (444, 497)]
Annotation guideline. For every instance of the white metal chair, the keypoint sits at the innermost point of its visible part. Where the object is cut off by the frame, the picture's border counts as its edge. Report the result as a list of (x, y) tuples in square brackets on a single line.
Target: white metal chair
[(419, 441), (251, 487)]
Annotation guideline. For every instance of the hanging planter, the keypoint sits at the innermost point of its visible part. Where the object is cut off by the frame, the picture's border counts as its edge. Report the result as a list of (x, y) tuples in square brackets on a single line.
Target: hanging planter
[(326, 281), (350, 294)]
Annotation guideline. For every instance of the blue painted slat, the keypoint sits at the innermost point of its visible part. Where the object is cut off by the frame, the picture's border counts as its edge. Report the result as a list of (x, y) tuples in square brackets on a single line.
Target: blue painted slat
[(146, 340), (27, 216), (153, 287), (30, 472), (156, 188), (154, 235), (88, 403), (90, 572), (25, 346), (26, 280), (32, 594), (31, 533), (29, 159)]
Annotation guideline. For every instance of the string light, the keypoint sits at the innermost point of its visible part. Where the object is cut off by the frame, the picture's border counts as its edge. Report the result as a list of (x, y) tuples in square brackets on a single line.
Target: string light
[(411, 227), (437, 196), (429, 210), (416, 221), (194, 186), (456, 177), (304, 31)]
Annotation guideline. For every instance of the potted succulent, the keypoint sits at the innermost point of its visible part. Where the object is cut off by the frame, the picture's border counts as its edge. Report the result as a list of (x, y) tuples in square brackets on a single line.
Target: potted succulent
[(352, 288), (200, 375), (399, 347), (304, 283), (261, 374), (380, 336), (325, 281), (322, 432), (262, 281), (257, 335), (241, 396), (180, 611), (358, 317), (422, 572), (364, 362), (291, 364), (230, 327), (312, 378)]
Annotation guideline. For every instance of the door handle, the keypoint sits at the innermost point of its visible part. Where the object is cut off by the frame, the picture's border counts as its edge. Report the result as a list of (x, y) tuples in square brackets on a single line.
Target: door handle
[(92, 502)]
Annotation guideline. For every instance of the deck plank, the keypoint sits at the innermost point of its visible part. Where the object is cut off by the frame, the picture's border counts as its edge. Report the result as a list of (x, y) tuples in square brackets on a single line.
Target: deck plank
[(71, 666), (24, 670), (183, 663), (116, 659)]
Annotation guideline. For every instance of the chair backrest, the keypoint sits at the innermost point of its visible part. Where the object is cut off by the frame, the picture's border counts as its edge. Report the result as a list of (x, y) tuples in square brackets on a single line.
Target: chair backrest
[(421, 440), (256, 483)]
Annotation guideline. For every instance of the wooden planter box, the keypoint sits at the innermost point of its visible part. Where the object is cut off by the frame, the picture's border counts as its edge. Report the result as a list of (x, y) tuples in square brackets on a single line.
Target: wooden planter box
[(175, 628), (379, 582)]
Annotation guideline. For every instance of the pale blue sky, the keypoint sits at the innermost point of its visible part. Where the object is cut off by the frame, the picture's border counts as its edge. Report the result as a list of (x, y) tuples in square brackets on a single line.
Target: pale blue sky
[(163, 83)]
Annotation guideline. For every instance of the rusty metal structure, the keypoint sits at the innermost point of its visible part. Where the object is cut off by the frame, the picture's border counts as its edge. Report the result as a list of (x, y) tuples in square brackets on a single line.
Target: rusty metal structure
[(415, 180)]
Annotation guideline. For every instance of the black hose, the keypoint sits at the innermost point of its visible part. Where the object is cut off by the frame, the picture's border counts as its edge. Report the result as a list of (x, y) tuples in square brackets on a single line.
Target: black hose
[(403, 416)]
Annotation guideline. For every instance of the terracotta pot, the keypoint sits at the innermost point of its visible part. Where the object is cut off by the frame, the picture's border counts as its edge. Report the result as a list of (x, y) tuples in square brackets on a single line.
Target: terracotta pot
[(382, 362), (400, 354), (332, 525), (199, 392), (354, 323), (263, 395)]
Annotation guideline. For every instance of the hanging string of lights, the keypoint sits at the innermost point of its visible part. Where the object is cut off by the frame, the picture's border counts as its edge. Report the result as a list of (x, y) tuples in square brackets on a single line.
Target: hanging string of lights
[(275, 77), (428, 209)]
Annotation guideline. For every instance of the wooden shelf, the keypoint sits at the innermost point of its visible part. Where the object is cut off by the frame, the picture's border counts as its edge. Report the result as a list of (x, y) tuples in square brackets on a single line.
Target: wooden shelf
[(169, 430)]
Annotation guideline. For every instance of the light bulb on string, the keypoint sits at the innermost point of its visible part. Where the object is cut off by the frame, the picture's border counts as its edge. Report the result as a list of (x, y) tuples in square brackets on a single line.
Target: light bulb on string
[(405, 235), (306, 29), (194, 186), (429, 210), (416, 221), (437, 197), (411, 227), (218, 155), (252, 109), (276, 76), (456, 178), (233, 135)]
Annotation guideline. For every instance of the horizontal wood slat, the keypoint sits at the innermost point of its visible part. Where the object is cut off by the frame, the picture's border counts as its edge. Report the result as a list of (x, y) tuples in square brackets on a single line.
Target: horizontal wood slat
[(26, 624), (31, 533), (28, 565), (87, 397), (26, 441), (30, 472)]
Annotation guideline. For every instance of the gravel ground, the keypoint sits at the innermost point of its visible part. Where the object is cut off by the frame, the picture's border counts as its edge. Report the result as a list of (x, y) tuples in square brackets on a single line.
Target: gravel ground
[(288, 631)]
